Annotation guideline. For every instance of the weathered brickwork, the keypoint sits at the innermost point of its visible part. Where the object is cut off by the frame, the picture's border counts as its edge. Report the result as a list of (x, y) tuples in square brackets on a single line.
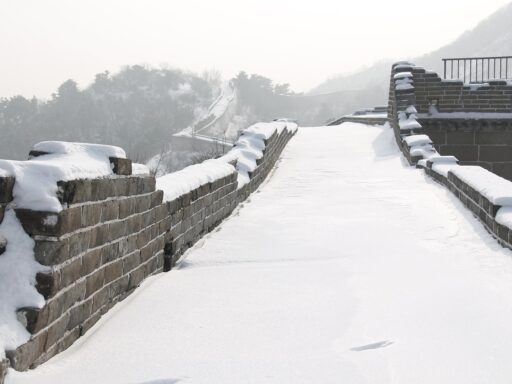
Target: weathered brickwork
[(455, 96), (484, 139), (111, 235), (481, 142), (486, 142), (478, 204), (99, 248)]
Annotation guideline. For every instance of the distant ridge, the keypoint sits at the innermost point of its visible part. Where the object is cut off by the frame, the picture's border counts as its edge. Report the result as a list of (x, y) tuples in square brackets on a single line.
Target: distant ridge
[(491, 37)]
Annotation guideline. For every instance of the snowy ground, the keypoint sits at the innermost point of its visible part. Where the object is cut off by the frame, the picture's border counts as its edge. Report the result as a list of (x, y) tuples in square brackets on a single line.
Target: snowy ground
[(347, 267)]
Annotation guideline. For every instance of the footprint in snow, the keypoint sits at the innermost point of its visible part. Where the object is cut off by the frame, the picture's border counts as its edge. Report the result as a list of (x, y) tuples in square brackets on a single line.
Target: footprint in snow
[(380, 344)]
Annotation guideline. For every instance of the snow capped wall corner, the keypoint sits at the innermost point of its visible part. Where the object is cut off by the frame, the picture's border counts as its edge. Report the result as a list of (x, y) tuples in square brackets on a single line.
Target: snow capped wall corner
[(403, 115)]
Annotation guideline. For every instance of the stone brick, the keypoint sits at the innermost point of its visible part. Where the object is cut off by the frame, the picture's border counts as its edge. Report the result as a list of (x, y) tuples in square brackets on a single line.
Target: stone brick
[(136, 277), (91, 261), (50, 223), (6, 186), (152, 265), (94, 282), (4, 366), (68, 298), (68, 339), (162, 211), (111, 252), (121, 185), (503, 169), (79, 314), (109, 210), (495, 153), (79, 243), (113, 271), (156, 198), (33, 319), (121, 166), (143, 203), (101, 189), (22, 358), (74, 191), (70, 272), (89, 323), (119, 286), (126, 207), (502, 232), (99, 235), (48, 283), (100, 298), (143, 237), (134, 224), (48, 252), (116, 230), (128, 245), (2, 212), (3, 244), (460, 137), (147, 252), (461, 152), (91, 215), (148, 218), (57, 330)]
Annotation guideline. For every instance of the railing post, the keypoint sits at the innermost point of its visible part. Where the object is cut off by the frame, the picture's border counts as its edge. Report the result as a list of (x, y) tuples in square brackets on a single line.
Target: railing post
[(482, 68)]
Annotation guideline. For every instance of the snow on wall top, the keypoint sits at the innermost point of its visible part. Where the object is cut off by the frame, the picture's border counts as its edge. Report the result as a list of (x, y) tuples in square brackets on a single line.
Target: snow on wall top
[(266, 130), (246, 151), (36, 179), (250, 146), (181, 182), (495, 188), (66, 148), (401, 75), (140, 169), (417, 140)]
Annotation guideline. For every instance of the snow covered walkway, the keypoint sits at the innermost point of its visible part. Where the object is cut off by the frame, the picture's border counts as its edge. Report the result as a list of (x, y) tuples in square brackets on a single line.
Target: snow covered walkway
[(347, 267)]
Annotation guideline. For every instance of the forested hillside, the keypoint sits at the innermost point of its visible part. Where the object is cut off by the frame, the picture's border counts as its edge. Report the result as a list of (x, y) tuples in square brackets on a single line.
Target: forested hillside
[(138, 109)]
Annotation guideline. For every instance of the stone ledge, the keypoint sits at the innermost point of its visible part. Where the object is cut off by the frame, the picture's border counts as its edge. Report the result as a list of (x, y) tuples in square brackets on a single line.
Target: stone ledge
[(87, 190)]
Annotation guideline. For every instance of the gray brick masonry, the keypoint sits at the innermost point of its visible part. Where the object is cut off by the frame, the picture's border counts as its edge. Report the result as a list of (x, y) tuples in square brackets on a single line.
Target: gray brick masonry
[(113, 233)]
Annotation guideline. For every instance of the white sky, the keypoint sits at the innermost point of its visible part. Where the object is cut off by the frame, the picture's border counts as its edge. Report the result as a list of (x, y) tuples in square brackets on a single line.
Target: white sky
[(44, 42)]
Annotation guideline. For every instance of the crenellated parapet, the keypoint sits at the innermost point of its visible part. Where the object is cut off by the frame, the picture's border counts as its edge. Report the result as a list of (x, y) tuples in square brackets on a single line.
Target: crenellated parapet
[(98, 238), (472, 122)]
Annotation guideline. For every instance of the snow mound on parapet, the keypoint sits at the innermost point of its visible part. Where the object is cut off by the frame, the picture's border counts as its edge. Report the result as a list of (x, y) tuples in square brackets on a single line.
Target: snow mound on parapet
[(36, 179)]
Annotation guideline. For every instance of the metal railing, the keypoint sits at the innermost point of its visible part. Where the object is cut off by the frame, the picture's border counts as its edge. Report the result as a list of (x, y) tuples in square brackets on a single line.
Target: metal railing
[(477, 70)]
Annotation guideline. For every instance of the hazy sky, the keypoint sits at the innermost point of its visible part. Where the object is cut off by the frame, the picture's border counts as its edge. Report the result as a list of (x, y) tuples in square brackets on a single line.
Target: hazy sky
[(44, 42)]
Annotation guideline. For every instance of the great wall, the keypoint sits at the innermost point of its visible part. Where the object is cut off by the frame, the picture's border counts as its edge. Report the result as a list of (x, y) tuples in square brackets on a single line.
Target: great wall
[(113, 232)]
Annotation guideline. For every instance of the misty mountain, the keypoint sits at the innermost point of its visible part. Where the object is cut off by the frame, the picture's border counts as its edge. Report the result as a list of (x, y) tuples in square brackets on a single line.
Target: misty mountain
[(137, 109), (491, 37)]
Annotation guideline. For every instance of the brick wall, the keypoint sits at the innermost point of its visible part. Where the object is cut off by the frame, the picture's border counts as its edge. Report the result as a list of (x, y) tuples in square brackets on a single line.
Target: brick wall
[(113, 233), (455, 96), (481, 132), (487, 142), (479, 205)]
